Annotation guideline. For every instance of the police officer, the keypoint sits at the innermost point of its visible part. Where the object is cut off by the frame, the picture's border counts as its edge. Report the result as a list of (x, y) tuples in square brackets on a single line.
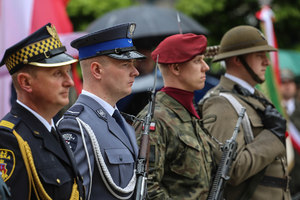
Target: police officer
[(103, 143), (35, 162), (180, 158), (260, 168)]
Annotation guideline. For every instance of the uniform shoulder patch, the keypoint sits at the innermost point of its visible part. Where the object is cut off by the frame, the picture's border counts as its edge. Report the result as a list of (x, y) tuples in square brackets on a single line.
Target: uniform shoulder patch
[(7, 163), (71, 140)]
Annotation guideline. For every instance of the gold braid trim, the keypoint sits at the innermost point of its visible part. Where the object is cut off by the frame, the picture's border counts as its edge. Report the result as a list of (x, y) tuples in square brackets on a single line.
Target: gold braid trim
[(75, 192), (22, 149), (30, 167), (33, 175)]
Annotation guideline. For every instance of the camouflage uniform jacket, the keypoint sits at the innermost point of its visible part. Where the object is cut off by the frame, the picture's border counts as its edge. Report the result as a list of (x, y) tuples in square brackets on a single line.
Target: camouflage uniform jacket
[(180, 161), (265, 151)]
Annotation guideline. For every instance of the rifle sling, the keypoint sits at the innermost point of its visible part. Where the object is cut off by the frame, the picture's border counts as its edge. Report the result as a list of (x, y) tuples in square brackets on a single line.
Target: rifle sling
[(254, 181)]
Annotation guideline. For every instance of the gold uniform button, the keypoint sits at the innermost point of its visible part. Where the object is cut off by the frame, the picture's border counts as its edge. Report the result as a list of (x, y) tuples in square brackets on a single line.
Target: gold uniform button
[(58, 181)]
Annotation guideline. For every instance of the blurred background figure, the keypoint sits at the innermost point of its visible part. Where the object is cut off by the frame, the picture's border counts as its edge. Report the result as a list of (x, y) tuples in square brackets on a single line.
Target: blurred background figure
[(288, 90)]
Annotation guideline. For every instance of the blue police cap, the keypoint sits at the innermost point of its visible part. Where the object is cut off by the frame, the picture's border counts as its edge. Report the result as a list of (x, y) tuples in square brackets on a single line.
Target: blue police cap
[(115, 42), (42, 48)]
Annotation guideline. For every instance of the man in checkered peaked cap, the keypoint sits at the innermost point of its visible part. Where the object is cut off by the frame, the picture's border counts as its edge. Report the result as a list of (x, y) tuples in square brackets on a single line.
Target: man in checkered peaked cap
[(42, 48), (103, 143), (36, 163)]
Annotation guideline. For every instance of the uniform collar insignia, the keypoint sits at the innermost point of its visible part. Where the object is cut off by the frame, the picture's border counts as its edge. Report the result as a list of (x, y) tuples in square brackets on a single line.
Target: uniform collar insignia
[(101, 114)]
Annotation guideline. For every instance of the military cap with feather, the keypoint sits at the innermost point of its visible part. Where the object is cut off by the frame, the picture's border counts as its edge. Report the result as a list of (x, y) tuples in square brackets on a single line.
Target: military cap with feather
[(42, 49), (115, 42)]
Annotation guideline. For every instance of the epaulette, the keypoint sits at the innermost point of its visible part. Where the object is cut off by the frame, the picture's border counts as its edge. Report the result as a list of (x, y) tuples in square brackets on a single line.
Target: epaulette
[(9, 122), (74, 111)]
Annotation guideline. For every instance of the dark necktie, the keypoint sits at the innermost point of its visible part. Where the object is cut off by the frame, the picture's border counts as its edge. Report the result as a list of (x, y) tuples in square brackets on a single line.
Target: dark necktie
[(53, 131), (119, 120)]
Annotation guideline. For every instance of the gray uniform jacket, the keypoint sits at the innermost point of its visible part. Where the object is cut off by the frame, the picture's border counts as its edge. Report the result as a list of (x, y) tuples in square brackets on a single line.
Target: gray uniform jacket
[(118, 151)]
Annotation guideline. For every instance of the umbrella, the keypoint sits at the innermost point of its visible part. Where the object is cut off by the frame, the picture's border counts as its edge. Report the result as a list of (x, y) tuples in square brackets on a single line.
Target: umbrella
[(153, 22)]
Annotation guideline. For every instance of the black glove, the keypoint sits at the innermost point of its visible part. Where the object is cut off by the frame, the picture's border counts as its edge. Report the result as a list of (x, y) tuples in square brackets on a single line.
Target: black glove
[(273, 121)]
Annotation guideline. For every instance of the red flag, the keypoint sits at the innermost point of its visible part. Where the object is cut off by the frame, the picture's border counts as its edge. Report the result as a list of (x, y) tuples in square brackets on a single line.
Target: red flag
[(19, 18), (53, 11)]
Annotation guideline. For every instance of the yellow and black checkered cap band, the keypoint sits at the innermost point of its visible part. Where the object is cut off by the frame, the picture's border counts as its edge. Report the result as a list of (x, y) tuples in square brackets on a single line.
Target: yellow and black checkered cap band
[(23, 55)]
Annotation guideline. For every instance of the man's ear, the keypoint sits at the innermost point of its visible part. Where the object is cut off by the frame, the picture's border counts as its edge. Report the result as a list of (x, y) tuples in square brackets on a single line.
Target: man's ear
[(237, 61), (25, 81), (174, 68), (96, 69)]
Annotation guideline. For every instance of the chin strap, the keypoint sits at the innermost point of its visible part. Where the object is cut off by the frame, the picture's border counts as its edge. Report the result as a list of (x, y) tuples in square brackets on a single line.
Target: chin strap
[(250, 71)]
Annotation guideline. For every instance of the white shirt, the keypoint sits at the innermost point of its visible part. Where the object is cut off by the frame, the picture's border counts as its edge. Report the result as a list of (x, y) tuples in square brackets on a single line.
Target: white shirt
[(103, 103), (290, 106), (46, 124), (240, 82)]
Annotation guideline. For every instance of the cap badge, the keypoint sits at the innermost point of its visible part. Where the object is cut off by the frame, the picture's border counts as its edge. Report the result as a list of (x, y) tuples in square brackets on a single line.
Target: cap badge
[(131, 29), (261, 34), (52, 31)]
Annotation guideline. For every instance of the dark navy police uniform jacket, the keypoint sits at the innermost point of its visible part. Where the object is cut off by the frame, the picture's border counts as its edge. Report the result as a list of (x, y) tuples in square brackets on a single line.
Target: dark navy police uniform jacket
[(52, 158)]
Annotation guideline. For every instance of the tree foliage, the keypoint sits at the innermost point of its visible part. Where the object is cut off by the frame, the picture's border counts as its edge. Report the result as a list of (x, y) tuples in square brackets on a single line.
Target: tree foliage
[(83, 12), (218, 16)]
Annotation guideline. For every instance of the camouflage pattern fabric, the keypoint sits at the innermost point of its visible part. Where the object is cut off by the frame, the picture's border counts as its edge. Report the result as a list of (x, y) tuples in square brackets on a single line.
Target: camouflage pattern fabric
[(180, 160)]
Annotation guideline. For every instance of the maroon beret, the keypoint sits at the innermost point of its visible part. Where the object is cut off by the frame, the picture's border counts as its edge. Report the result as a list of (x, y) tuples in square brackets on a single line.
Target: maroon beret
[(179, 48)]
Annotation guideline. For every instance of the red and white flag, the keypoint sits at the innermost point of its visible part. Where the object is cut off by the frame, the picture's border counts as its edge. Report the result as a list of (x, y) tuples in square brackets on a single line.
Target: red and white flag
[(19, 18), (266, 15)]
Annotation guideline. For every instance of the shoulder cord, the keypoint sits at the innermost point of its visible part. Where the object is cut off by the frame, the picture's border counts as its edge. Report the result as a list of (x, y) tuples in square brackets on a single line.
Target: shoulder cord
[(88, 158), (104, 172), (246, 122), (33, 175), (31, 170)]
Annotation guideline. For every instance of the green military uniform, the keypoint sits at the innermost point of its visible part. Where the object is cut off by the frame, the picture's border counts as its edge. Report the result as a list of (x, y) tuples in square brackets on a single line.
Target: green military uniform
[(180, 163), (265, 151)]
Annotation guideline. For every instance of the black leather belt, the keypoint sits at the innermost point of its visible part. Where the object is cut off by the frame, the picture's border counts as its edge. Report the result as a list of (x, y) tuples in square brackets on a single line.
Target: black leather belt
[(275, 182)]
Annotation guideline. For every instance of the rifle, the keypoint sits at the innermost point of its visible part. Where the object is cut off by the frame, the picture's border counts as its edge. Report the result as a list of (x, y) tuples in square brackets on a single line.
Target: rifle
[(228, 156), (141, 172)]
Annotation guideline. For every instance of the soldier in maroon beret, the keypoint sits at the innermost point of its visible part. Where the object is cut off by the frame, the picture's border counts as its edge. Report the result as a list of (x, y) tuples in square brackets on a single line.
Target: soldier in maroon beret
[(180, 161)]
